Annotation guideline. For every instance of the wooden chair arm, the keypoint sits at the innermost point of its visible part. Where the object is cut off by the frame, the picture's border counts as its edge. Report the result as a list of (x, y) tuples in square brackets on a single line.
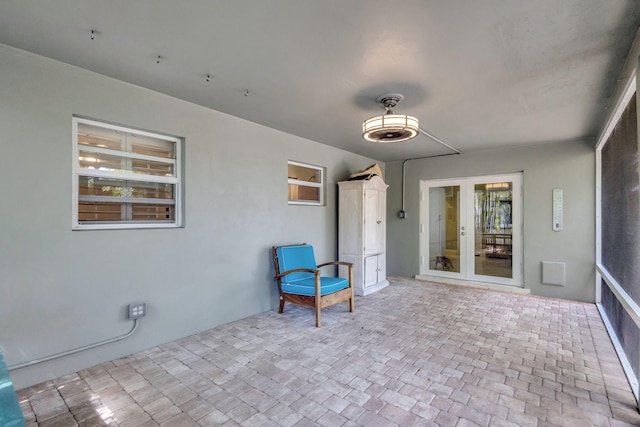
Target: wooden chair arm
[(296, 270), (348, 264)]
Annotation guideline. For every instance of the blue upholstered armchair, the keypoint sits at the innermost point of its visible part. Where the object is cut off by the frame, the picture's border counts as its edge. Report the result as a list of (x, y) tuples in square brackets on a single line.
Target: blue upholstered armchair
[(299, 280)]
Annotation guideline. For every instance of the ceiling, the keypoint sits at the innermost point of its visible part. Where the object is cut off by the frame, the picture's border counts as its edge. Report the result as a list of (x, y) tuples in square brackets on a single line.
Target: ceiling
[(477, 73)]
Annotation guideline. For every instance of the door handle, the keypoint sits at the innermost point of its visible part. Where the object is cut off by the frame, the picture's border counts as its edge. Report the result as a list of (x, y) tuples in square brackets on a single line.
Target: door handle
[(462, 233)]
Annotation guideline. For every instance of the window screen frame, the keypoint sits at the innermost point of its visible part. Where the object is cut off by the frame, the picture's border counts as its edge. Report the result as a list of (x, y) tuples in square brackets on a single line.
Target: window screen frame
[(176, 180), (603, 278), (320, 185)]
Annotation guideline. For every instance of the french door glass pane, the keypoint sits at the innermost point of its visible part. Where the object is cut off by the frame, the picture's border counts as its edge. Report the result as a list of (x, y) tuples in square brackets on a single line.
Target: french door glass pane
[(444, 223), (493, 229)]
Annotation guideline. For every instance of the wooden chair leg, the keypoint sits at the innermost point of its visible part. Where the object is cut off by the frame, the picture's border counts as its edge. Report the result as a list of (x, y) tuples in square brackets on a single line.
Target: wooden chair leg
[(351, 300), (281, 309), (318, 311), (318, 299)]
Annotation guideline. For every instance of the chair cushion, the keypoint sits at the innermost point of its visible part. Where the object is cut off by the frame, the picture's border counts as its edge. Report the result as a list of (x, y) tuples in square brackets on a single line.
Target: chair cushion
[(328, 285), (298, 256)]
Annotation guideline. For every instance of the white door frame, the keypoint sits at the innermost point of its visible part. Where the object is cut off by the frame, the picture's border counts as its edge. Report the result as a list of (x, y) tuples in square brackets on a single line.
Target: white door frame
[(467, 235)]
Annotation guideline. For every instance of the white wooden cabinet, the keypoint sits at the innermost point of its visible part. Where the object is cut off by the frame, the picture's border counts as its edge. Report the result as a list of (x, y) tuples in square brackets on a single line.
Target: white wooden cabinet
[(362, 232)]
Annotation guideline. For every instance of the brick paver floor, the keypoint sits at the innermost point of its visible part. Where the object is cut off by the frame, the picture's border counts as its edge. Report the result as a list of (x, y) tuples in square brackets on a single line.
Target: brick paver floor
[(413, 354)]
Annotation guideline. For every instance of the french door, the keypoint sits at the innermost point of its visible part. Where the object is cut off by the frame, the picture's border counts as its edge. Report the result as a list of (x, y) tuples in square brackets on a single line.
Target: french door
[(471, 229)]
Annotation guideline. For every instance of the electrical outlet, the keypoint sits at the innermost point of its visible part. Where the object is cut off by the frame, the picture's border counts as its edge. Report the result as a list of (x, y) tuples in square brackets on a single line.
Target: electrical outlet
[(137, 310)]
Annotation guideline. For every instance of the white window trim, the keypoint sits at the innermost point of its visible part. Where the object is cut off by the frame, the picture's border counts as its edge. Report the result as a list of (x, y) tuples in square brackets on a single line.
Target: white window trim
[(78, 171), (319, 185)]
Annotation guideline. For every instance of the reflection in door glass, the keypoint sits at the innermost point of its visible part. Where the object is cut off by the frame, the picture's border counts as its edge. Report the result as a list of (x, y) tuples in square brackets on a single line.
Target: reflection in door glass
[(493, 229), (444, 219)]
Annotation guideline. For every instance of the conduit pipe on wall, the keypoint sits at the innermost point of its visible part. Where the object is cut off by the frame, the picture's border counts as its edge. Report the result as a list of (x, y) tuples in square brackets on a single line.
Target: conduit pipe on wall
[(439, 141), (403, 214), (75, 350)]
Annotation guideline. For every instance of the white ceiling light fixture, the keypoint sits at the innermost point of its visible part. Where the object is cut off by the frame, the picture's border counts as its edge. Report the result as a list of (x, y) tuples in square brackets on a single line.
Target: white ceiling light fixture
[(390, 127)]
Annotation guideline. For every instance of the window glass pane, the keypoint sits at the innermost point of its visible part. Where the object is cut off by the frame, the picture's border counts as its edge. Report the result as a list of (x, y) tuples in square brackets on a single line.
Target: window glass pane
[(303, 173), (151, 146), (144, 212), (113, 163), (149, 167), (100, 137), (112, 139), (96, 211), (106, 187), (99, 161), (114, 177), (306, 186), (124, 212), (303, 193)]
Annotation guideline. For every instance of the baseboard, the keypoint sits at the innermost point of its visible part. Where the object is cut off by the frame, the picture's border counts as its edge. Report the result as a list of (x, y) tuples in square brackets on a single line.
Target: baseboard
[(468, 283), (374, 288)]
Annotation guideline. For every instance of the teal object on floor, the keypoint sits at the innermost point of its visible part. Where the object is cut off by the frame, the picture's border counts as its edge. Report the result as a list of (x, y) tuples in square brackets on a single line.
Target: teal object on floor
[(303, 283), (300, 282), (10, 412)]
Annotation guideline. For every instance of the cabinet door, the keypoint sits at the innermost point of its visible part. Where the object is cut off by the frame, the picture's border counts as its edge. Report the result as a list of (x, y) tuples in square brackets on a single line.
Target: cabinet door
[(382, 267), (370, 270), (382, 222), (373, 231), (375, 269)]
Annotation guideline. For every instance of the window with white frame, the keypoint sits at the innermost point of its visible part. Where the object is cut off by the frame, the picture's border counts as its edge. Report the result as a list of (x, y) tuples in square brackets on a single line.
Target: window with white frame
[(124, 178), (306, 184)]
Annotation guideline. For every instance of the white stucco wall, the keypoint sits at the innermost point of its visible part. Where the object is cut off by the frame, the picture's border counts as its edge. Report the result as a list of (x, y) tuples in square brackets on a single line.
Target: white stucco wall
[(63, 289), (567, 165)]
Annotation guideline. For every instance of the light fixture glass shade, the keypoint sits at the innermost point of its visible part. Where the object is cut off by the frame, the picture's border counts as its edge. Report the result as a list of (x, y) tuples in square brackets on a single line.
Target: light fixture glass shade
[(390, 127)]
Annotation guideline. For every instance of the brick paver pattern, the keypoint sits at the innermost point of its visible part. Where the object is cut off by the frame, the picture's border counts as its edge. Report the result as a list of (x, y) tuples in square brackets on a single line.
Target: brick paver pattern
[(413, 354)]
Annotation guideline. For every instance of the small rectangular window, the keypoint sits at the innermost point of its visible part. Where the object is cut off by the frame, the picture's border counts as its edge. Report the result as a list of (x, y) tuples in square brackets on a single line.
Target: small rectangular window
[(306, 184), (124, 178)]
